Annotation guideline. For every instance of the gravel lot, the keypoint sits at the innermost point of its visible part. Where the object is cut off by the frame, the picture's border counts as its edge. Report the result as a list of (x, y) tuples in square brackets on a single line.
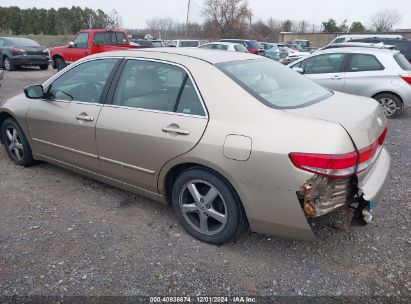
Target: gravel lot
[(63, 234)]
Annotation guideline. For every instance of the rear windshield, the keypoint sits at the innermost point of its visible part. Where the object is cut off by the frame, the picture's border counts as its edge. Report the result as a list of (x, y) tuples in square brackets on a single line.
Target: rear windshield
[(110, 38), (253, 44), (273, 84), (22, 42), (402, 62)]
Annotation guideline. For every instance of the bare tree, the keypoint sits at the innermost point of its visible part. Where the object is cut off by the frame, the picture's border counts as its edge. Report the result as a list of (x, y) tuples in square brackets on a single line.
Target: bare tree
[(114, 20), (385, 20), (228, 16)]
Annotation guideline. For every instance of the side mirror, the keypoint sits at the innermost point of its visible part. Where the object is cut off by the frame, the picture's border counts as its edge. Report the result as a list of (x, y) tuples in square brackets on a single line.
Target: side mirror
[(299, 70), (71, 44), (34, 92), (1, 74)]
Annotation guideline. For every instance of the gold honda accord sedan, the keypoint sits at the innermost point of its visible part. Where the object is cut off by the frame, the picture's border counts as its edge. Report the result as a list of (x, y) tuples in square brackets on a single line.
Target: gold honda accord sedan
[(227, 138)]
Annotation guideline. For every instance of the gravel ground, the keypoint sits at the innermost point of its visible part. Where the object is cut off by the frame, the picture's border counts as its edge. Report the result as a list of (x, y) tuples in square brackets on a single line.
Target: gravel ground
[(63, 234)]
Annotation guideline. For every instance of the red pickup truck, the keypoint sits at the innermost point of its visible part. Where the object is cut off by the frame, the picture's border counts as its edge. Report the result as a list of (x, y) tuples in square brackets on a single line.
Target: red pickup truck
[(88, 42)]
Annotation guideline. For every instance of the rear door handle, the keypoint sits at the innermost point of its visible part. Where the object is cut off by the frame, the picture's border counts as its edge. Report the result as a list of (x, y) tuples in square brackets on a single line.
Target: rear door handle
[(85, 117), (336, 77), (175, 130)]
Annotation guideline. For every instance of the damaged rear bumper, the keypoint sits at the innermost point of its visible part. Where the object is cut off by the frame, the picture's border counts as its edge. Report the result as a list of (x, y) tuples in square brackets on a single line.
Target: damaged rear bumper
[(362, 192)]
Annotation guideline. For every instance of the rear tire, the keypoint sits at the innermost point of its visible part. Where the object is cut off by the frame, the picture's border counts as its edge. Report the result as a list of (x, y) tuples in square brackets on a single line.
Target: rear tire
[(7, 64), (44, 67), (390, 103), (60, 63), (16, 144), (214, 213)]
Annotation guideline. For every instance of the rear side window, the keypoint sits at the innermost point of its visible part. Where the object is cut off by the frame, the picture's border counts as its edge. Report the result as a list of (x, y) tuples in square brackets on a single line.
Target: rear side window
[(364, 62), (110, 38), (240, 48), (157, 86), (402, 62)]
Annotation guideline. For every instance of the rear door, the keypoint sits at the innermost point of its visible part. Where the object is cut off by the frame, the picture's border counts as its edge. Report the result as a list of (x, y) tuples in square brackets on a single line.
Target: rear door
[(326, 69), (363, 75), (62, 126), (155, 114)]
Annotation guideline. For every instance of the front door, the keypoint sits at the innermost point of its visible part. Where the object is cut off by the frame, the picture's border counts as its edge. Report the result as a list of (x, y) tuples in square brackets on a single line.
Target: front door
[(155, 114), (62, 126), (80, 48), (326, 69)]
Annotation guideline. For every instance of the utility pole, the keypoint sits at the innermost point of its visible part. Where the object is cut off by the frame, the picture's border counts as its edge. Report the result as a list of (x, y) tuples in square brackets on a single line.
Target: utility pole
[(187, 20)]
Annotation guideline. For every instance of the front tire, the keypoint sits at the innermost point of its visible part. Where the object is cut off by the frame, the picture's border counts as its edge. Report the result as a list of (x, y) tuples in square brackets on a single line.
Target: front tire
[(207, 206), (16, 144), (60, 63), (7, 64), (390, 103), (44, 67)]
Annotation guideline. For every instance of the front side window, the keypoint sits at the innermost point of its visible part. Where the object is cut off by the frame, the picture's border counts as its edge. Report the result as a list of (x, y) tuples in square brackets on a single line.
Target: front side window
[(84, 82), (157, 86), (81, 41), (339, 40), (364, 62), (325, 63), (273, 84)]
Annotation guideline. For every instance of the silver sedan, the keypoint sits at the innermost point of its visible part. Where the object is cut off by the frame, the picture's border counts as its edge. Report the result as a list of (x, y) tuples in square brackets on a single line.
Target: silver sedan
[(382, 74)]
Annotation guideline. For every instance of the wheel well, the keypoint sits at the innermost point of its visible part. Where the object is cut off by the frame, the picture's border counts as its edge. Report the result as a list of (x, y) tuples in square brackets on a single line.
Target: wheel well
[(55, 57), (387, 92), (174, 172), (3, 117)]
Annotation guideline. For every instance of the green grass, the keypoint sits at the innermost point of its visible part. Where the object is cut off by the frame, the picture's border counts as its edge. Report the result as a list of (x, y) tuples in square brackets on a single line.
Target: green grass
[(47, 40)]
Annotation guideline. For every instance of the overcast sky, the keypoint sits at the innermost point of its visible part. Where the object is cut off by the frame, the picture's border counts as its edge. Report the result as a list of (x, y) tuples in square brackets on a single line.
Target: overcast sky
[(134, 13)]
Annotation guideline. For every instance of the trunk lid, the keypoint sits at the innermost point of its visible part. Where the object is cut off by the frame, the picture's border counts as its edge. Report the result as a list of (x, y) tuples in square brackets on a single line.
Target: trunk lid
[(34, 50), (361, 117)]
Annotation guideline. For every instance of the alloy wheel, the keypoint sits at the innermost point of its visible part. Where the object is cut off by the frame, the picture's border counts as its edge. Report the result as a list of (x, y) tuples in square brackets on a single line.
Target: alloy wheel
[(388, 105), (14, 144), (7, 64), (203, 207)]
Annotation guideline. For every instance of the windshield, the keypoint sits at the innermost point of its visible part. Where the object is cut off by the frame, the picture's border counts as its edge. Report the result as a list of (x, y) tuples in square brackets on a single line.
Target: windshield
[(274, 84), (23, 42)]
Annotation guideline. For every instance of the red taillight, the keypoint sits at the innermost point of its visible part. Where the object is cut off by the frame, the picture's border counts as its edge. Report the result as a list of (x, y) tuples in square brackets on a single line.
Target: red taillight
[(338, 165), (406, 78), (253, 51)]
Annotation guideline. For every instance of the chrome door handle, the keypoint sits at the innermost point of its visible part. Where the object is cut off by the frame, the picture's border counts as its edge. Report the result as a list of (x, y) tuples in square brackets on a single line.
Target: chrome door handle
[(175, 130), (85, 117)]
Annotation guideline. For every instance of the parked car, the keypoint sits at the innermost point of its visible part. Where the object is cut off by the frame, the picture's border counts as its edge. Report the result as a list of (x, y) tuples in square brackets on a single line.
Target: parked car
[(382, 74), (187, 43), (17, 52), (169, 43), (88, 42), (284, 51), (303, 43), (177, 144), (403, 45), (347, 38), (272, 51), (144, 43), (224, 46), (252, 46), (294, 57)]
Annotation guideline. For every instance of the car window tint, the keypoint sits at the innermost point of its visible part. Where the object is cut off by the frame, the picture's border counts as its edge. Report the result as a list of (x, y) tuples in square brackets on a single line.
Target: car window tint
[(240, 48), (189, 102), (81, 41), (339, 40), (364, 62), (325, 63), (2, 42), (99, 38), (84, 82), (221, 47)]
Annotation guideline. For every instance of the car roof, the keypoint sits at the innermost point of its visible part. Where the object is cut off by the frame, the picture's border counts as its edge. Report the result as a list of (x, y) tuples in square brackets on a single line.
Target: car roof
[(367, 50), (209, 56), (222, 43)]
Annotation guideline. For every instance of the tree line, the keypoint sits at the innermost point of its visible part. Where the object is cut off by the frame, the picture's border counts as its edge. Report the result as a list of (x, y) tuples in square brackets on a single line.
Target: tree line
[(63, 21)]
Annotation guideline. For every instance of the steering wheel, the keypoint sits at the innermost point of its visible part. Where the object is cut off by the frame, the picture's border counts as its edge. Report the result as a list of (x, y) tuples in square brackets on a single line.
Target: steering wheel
[(91, 91)]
